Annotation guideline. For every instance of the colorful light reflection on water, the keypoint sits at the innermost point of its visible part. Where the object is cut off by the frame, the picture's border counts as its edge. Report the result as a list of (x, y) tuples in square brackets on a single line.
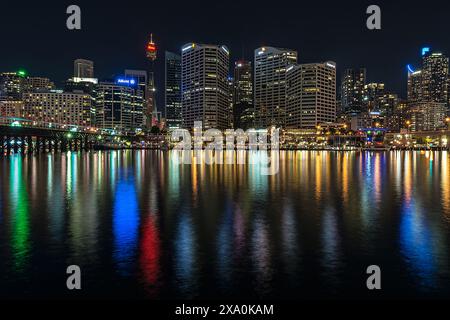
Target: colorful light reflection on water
[(141, 225)]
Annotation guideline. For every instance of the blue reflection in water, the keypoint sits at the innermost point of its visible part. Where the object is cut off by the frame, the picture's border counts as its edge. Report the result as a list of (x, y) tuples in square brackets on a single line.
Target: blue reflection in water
[(239, 232), (224, 247), (416, 244), (185, 255), (289, 240), (368, 193), (261, 255), (331, 258), (55, 200), (126, 221)]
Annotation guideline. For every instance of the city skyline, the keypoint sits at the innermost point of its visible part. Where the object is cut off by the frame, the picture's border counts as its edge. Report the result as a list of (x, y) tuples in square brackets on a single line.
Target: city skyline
[(382, 48), (286, 93), (214, 158)]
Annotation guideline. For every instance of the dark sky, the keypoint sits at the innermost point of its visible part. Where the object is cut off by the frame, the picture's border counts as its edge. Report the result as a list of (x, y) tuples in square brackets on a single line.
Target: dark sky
[(34, 36)]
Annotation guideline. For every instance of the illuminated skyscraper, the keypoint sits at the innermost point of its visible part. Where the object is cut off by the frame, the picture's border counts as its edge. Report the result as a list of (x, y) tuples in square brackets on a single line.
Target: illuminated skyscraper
[(435, 77), (230, 82), (151, 112), (58, 107), (173, 90), (430, 83), (270, 85), (204, 85), (83, 68), (151, 50), (243, 110), (12, 85), (415, 91), (387, 108), (373, 92), (140, 76), (119, 105), (38, 84), (311, 94), (428, 91), (428, 116), (352, 90)]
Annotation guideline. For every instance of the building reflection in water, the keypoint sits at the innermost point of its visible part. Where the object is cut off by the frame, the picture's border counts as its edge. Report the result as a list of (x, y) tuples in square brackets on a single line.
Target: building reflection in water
[(20, 220), (416, 242), (150, 253), (289, 236), (261, 255), (55, 201), (149, 224), (225, 248), (331, 257), (125, 224), (445, 184), (239, 240), (185, 260)]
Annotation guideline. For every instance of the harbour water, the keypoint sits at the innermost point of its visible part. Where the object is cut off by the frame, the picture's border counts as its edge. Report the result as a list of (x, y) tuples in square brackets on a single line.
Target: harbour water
[(141, 225)]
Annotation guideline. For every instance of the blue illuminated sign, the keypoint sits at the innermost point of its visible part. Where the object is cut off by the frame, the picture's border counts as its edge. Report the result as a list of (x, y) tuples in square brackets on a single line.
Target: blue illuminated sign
[(410, 69), (425, 50), (126, 81)]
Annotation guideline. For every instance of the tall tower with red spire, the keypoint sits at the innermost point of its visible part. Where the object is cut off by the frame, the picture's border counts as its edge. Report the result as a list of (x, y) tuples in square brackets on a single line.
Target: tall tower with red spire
[(151, 110), (151, 50)]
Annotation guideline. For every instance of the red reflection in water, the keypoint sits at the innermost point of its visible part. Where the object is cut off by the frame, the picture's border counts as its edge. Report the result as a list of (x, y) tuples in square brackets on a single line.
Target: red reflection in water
[(150, 250)]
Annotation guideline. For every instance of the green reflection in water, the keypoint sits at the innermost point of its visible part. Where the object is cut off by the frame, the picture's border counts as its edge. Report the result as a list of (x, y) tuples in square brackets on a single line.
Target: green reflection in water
[(20, 221)]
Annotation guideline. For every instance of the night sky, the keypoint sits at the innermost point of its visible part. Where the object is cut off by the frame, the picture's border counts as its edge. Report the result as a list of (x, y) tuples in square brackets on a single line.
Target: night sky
[(114, 35)]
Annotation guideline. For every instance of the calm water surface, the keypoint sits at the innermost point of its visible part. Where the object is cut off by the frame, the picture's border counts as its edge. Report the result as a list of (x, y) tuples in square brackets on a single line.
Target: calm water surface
[(142, 226)]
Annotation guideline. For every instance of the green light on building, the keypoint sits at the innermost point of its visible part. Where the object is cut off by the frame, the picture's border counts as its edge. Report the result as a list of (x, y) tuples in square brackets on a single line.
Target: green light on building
[(22, 73)]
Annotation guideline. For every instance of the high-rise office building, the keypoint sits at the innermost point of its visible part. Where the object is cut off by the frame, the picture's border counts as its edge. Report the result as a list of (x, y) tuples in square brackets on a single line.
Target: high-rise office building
[(435, 77), (387, 110), (428, 116), (172, 90), (401, 115), (12, 85), (119, 105), (58, 108), (83, 68), (430, 83), (83, 85), (204, 86), (387, 103), (38, 84), (428, 97), (414, 90), (230, 120), (352, 90), (141, 78), (270, 66), (243, 110), (311, 94), (373, 92)]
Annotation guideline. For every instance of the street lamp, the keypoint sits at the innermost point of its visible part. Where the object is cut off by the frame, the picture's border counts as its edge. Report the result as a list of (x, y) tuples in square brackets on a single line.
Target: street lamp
[(408, 124)]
